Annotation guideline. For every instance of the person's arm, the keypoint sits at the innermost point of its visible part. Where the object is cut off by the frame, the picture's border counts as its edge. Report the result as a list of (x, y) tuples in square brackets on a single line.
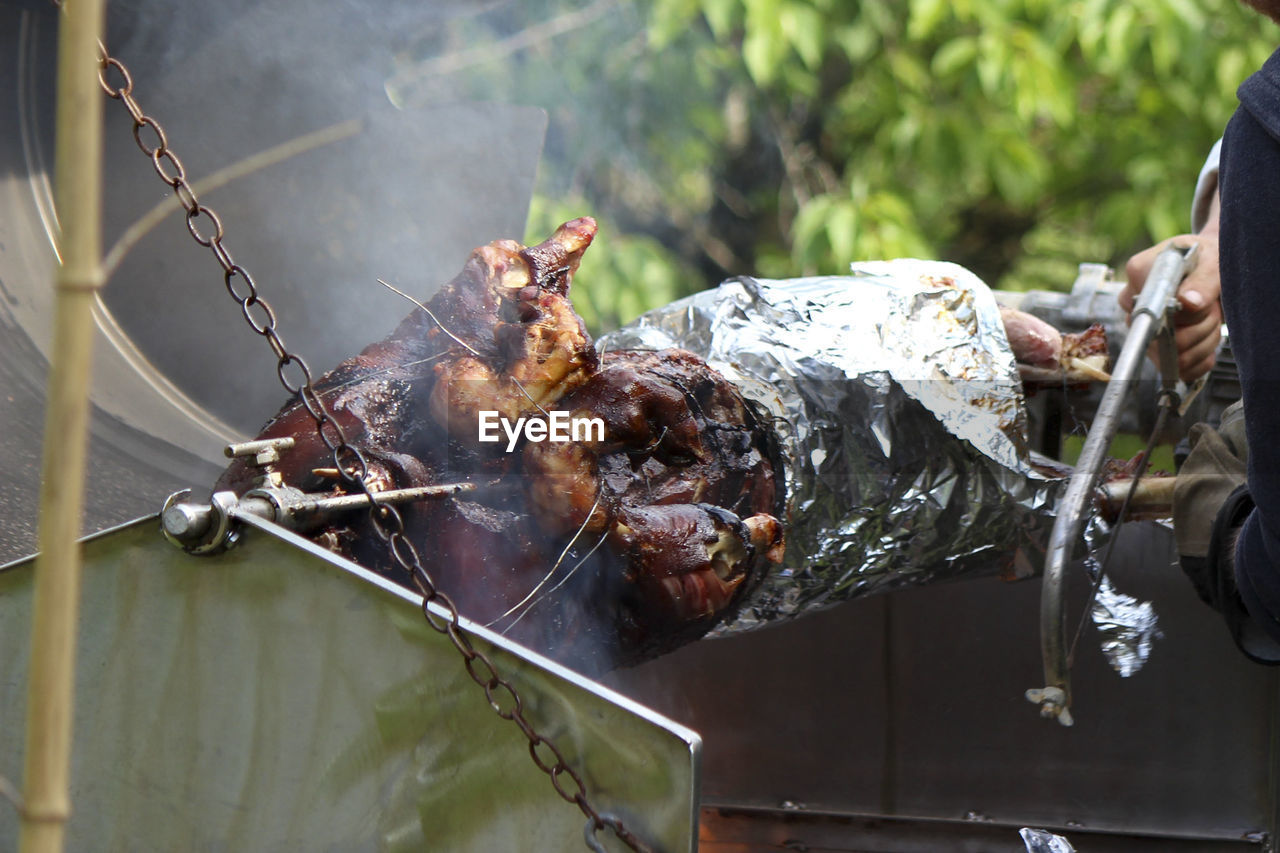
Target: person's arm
[(1210, 505), (1250, 191)]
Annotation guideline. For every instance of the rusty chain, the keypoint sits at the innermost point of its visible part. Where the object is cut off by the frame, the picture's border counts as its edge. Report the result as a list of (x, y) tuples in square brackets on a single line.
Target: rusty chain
[(206, 229)]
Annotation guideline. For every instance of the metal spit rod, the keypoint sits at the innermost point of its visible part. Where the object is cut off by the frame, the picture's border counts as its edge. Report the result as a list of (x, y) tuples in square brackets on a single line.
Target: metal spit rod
[(1150, 317), (209, 528)]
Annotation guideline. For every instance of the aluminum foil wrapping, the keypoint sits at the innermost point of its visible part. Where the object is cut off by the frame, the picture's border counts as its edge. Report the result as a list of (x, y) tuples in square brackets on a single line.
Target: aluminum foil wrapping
[(1044, 841), (1127, 627), (902, 418)]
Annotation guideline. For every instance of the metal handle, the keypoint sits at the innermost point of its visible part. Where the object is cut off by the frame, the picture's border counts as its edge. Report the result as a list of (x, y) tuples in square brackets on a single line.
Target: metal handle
[(1155, 304)]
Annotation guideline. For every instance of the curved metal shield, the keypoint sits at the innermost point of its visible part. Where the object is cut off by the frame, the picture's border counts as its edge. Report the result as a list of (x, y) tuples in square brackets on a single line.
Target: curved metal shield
[(279, 116)]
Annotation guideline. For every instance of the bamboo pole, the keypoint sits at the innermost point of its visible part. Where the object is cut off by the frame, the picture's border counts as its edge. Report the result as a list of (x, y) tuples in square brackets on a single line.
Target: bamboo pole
[(51, 681)]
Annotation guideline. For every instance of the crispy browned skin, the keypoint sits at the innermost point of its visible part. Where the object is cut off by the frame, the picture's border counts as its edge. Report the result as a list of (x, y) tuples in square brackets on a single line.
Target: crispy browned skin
[(1091, 342), (501, 321), (534, 348), (682, 487), (599, 552)]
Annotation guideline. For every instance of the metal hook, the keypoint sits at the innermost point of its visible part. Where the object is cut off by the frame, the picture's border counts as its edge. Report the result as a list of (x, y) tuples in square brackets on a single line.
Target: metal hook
[(589, 836), (593, 826)]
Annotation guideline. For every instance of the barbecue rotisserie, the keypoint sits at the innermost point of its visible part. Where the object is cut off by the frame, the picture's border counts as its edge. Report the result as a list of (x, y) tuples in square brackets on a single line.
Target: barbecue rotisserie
[(659, 514), (632, 537)]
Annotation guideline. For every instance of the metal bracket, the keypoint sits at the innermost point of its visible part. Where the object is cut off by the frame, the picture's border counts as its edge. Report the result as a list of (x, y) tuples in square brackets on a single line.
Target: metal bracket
[(199, 528), (210, 528)]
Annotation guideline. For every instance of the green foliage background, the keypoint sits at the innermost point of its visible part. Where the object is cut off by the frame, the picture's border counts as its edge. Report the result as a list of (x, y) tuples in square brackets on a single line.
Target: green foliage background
[(789, 137)]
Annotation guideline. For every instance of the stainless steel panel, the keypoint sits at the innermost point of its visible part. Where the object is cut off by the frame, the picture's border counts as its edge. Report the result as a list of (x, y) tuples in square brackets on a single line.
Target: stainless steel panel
[(278, 698), (911, 705), (729, 831)]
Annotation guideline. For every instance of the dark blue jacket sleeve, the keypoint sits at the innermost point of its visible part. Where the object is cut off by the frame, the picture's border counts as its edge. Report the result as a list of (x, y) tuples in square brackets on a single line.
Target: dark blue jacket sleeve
[(1249, 244)]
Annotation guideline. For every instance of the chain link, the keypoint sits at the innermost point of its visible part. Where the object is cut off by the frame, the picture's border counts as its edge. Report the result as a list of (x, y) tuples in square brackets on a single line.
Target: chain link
[(347, 458)]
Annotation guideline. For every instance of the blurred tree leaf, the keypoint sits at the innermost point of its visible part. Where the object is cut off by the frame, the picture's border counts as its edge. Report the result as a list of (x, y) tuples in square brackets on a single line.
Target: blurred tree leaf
[(713, 138)]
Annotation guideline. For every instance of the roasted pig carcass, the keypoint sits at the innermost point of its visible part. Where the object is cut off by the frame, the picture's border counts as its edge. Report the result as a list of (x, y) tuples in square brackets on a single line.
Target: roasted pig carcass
[(632, 535), (880, 415)]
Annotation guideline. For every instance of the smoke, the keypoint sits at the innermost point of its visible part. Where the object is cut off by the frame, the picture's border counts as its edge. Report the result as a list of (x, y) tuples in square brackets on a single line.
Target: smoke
[(403, 198)]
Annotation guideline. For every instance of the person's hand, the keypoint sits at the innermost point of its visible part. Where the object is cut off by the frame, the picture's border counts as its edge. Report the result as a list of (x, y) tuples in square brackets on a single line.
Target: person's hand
[(1198, 322)]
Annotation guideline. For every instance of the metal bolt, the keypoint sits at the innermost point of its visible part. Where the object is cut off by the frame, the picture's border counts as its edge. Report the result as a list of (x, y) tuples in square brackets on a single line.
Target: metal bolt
[(186, 522)]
